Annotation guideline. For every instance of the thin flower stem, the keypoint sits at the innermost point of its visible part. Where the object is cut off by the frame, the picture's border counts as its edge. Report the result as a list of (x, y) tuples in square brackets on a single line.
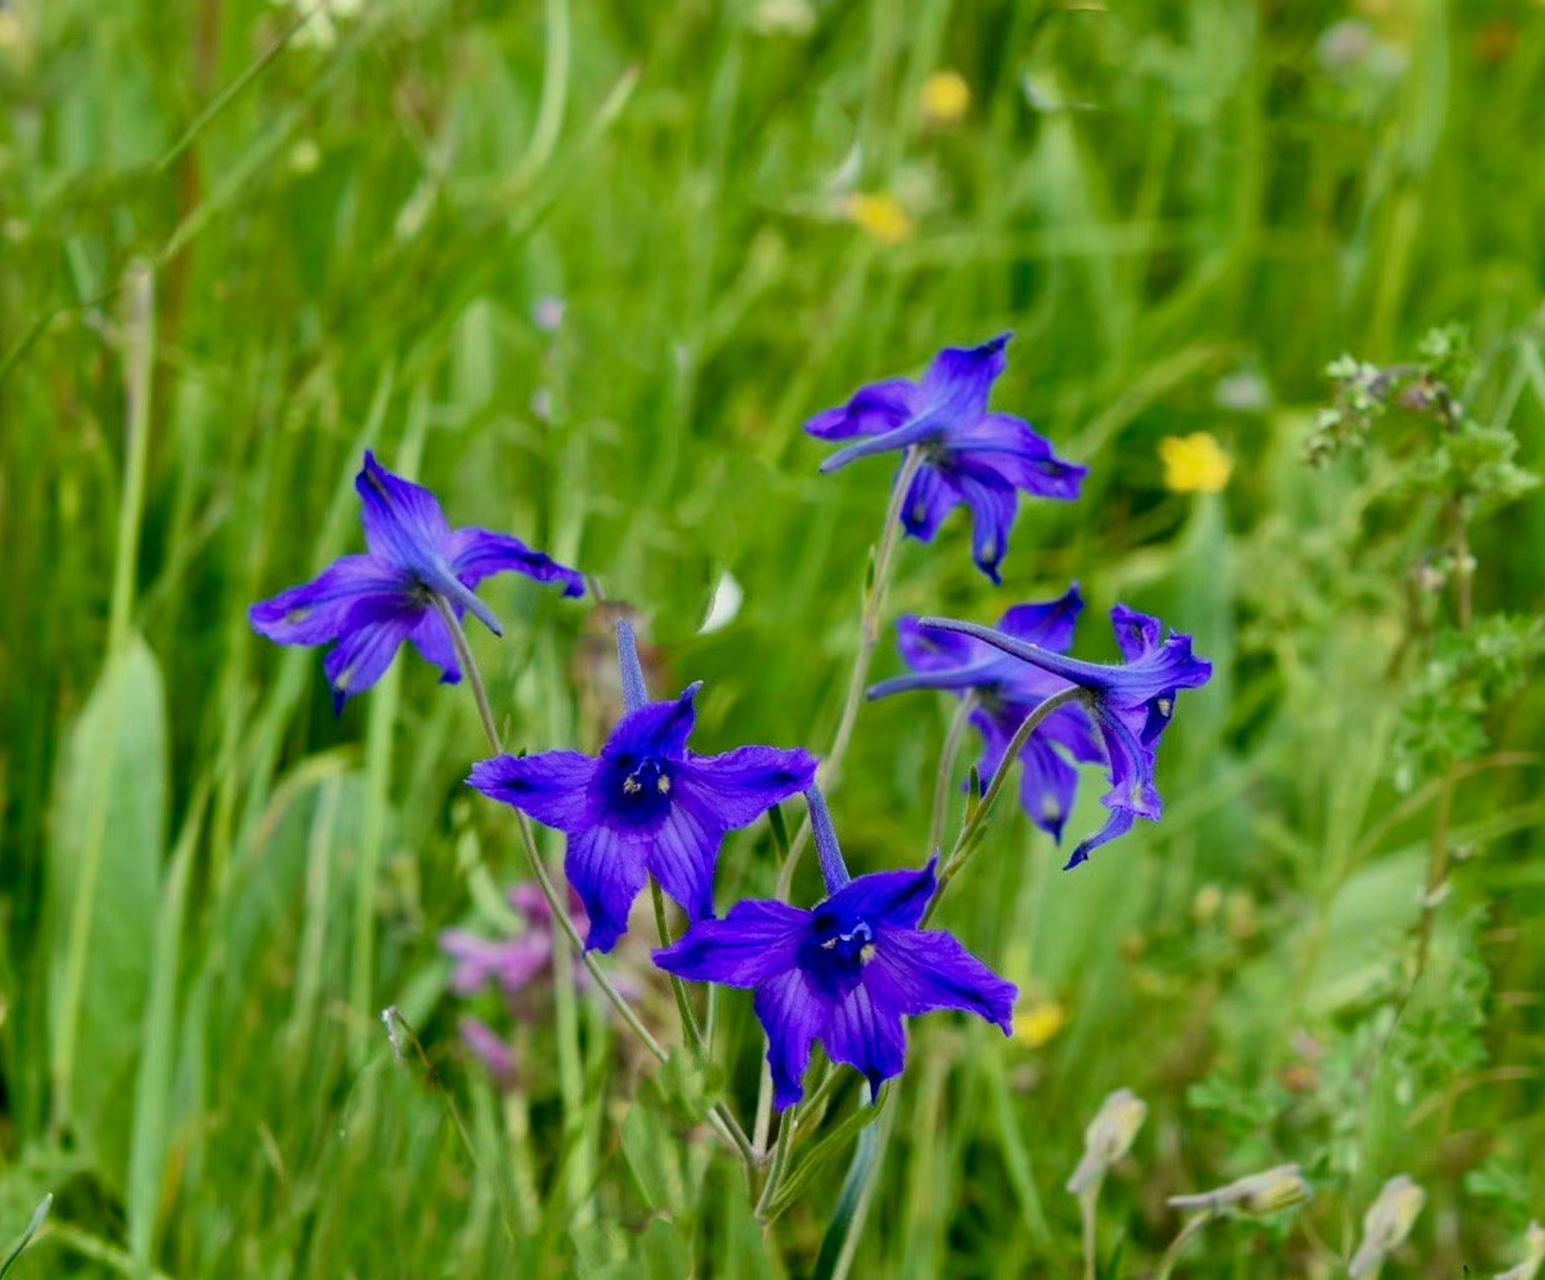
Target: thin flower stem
[(678, 987), (1088, 1209), (830, 771), (947, 758), (720, 1119), (1172, 1254), (780, 1159), (971, 831)]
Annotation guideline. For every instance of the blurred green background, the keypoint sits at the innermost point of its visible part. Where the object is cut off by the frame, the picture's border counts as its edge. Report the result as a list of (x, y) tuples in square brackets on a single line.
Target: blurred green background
[(585, 267)]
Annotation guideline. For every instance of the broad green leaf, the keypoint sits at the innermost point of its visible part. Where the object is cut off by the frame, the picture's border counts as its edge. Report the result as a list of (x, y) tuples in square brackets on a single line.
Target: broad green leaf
[(103, 889)]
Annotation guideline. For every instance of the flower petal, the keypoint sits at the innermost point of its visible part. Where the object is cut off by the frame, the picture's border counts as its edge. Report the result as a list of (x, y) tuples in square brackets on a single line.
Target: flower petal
[(1050, 624), (1137, 634), (918, 971), (892, 898), (1047, 787), (433, 641), (404, 522), (608, 873), (752, 945), (993, 508), (866, 1034), (740, 786), (476, 554), (1117, 825), (876, 408), (1021, 455), (681, 854), (793, 1016), (373, 632), (931, 498), (553, 787), (958, 382), (659, 730), (314, 613)]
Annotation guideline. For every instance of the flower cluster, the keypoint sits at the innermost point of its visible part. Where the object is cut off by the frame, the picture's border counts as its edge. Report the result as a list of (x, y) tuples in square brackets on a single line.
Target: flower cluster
[(848, 971)]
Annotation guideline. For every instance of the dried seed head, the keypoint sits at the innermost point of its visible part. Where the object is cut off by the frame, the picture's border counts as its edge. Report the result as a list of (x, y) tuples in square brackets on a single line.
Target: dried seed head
[(1386, 1225), (1254, 1196), (1109, 1137)]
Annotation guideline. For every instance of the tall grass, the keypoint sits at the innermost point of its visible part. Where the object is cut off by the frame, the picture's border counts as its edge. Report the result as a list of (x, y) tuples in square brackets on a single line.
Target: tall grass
[(231, 258)]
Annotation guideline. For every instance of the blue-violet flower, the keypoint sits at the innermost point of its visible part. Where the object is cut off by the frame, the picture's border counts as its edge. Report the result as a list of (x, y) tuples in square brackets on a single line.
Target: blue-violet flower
[(1131, 705), (970, 455), (645, 806), (844, 974), (1007, 690), (367, 605)]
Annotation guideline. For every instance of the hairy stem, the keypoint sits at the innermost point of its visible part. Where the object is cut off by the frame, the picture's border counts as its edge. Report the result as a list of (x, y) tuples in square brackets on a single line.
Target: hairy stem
[(947, 758)]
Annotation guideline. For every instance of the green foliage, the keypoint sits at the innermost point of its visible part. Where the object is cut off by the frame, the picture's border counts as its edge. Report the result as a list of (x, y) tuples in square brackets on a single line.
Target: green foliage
[(1182, 207)]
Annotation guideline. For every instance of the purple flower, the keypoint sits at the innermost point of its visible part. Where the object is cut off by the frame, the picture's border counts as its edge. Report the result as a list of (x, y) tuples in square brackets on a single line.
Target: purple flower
[(1131, 704), (367, 605), (845, 974), (970, 456), (490, 1048), (645, 806), (1007, 690)]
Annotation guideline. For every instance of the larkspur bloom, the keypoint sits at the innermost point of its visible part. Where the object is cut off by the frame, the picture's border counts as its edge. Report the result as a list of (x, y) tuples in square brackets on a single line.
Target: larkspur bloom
[(1130, 704), (844, 974), (367, 605), (970, 455), (646, 805), (1006, 691)]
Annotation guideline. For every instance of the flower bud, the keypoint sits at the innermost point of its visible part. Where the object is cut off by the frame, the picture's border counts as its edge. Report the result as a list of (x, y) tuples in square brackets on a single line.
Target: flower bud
[(1534, 1256), (1109, 1137), (1386, 1225), (1253, 1196)]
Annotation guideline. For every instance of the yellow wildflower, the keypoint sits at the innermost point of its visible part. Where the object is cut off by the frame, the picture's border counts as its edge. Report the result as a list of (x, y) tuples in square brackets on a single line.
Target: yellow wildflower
[(945, 99), (1194, 464), (881, 217), (1039, 1023)]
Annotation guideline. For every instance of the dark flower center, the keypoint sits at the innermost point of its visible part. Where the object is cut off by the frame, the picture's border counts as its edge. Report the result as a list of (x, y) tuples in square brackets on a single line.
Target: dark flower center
[(836, 952), (640, 793)]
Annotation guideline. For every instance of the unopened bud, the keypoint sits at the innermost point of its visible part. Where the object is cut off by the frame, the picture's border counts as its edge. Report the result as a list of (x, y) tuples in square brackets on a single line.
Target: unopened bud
[(1534, 1255), (1254, 1196), (1386, 1225), (1109, 1137)]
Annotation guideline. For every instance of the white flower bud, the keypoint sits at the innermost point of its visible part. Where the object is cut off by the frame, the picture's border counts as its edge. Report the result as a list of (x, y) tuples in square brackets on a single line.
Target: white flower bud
[(1109, 1137), (1534, 1255), (1253, 1196), (1386, 1225)]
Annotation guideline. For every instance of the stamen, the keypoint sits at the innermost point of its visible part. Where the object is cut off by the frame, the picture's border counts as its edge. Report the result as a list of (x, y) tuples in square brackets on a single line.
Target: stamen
[(663, 785), (866, 953), (829, 945), (631, 785), (1165, 706)]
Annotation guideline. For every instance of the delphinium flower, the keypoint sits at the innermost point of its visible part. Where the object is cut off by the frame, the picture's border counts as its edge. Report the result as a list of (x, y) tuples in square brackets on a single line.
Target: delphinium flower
[(844, 974), (1007, 690), (970, 456), (647, 805), (367, 605), (1130, 704)]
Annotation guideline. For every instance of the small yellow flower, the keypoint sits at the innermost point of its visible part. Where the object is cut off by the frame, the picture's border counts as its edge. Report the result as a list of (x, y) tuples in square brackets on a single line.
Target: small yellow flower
[(945, 99), (1039, 1023), (881, 217), (1194, 464)]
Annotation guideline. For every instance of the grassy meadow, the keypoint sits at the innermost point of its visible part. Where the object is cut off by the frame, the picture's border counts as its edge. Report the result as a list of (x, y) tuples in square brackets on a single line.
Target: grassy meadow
[(585, 267)]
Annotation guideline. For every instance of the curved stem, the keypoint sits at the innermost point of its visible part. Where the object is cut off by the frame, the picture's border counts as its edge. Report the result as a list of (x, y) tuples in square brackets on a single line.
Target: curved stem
[(689, 1025), (830, 771), (976, 824), (720, 1119), (1172, 1254), (947, 758)]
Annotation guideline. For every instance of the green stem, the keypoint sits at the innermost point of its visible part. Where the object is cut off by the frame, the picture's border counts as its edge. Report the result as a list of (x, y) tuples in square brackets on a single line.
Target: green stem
[(678, 987), (941, 788), (1172, 1254), (1088, 1212), (830, 771), (975, 825), (721, 1120)]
